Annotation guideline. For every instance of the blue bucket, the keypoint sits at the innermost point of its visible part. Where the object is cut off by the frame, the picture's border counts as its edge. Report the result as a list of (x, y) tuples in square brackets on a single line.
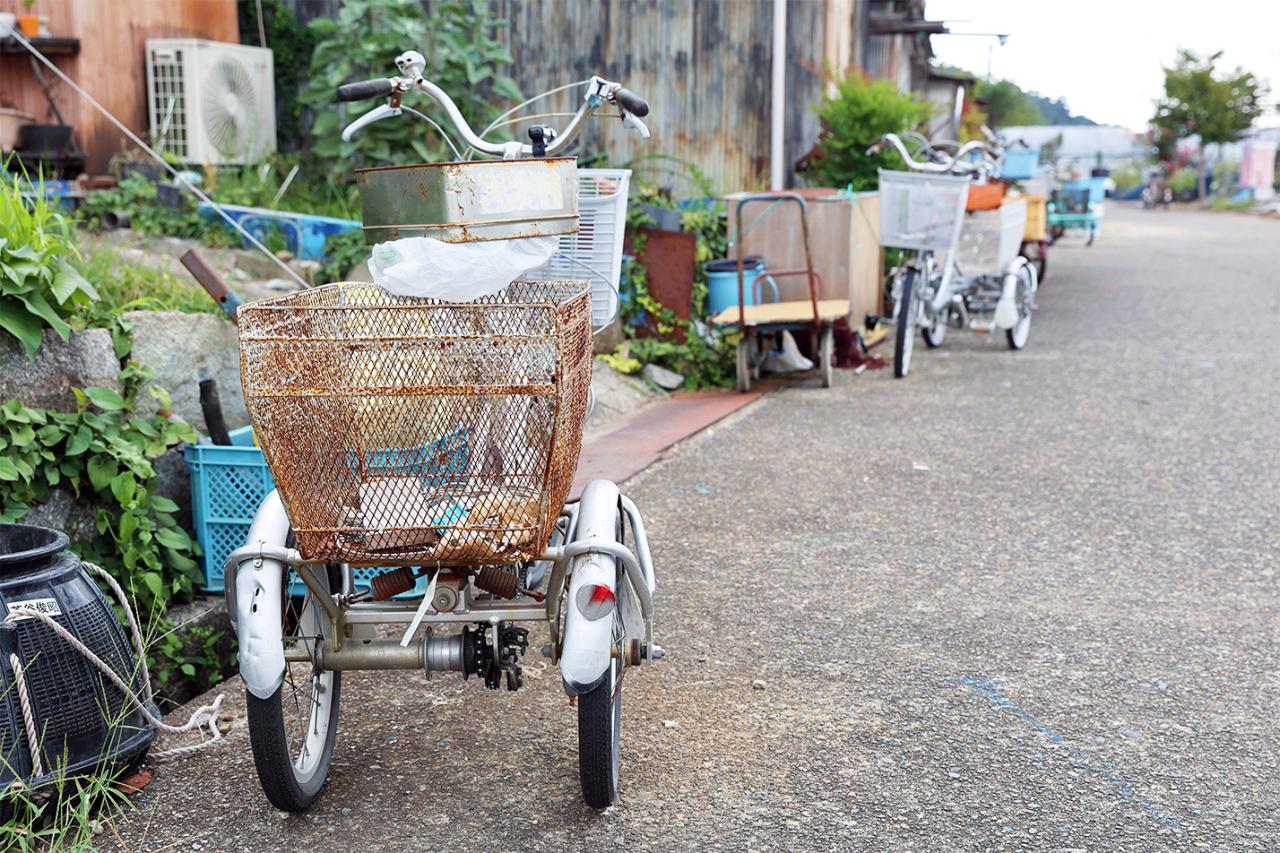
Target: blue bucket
[(722, 283)]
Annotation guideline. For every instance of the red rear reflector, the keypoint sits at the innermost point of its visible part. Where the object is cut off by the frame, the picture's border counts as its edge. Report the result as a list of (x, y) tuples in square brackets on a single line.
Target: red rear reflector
[(595, 601)]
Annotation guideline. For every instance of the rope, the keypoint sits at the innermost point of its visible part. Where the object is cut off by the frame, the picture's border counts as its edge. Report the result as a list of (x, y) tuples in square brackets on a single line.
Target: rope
[(28, 718), (205, 715)]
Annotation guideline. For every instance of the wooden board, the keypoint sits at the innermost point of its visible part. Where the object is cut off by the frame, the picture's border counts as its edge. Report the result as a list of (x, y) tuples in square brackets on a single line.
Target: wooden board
[(784, 312), (111, 64), (844, 238)]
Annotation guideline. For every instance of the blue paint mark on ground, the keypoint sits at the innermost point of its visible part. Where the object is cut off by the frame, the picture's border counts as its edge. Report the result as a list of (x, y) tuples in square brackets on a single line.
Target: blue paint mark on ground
[(1102, 767)]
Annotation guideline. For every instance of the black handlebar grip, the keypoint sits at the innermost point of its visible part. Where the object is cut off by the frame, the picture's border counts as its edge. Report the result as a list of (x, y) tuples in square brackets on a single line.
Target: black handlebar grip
[(631, 102), (365, 89)]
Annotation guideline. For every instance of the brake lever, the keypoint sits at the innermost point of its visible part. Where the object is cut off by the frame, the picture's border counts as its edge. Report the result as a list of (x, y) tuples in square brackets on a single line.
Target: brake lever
[(629, 120), (376, 114)]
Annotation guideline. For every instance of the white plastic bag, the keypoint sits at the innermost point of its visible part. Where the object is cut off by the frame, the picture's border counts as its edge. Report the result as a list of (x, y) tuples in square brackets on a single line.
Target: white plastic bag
[(456, 272), (787, 359)]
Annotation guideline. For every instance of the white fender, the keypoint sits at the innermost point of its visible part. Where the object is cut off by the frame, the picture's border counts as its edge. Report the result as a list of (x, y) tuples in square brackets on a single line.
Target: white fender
[(588, 642), (259, 596), (1006, 316)]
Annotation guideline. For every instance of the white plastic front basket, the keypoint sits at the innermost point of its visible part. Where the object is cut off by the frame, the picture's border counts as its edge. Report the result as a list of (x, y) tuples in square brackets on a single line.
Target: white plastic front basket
[(990, 239), (595, 252), (921, 211)]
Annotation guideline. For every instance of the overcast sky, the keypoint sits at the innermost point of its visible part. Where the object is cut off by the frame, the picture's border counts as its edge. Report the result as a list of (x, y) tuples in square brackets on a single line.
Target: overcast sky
[(1105, 56)]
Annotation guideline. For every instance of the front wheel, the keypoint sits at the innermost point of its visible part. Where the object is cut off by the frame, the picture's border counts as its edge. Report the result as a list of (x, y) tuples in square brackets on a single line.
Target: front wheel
[(292, 731), (936, 332), (908, 308)]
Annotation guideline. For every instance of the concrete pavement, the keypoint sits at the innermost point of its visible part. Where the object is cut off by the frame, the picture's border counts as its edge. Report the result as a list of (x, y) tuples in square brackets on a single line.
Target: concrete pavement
[(1016, 601)]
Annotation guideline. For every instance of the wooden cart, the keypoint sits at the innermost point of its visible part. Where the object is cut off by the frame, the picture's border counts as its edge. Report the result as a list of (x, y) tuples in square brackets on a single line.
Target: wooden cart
[(756, 322)]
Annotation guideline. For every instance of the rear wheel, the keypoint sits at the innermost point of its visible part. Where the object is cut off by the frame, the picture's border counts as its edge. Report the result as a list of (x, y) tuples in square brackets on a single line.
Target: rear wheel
[(908, 309), (936, 332), (292, 731), (1017, 336)]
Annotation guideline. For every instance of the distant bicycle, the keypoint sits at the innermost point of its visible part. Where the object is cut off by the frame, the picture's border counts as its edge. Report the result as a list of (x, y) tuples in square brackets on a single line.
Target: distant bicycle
[(1156, 194)]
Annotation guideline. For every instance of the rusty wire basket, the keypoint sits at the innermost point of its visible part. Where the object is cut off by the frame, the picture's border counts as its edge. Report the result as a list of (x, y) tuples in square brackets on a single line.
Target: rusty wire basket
[(412, 431)]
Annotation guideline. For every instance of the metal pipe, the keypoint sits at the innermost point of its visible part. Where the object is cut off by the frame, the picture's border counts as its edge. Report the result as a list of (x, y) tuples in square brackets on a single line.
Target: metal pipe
[(777, 117), (434, 654)]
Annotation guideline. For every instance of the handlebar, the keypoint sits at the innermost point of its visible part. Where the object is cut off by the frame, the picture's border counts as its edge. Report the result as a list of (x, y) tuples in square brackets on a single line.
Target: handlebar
[(378, 88), (631, 107), (631, 102), (954, 163)]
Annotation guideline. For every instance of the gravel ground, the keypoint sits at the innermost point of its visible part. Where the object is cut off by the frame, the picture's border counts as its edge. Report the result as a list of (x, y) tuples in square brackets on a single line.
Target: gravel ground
[(1016, 601)]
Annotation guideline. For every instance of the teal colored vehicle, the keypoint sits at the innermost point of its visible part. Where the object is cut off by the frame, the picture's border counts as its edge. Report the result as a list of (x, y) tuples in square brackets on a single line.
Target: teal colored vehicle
[(1077, 206)]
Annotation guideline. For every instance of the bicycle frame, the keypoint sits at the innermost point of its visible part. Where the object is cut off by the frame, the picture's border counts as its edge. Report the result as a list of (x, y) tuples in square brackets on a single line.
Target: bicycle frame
[(256, 572)]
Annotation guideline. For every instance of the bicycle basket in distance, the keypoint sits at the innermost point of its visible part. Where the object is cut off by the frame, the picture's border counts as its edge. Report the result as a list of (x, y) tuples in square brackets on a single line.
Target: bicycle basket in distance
[(410, 430)]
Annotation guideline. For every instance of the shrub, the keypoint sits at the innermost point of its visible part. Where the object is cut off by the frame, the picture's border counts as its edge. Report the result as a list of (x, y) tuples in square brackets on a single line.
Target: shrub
[(39, 287), (1127, 175), (859, 113)]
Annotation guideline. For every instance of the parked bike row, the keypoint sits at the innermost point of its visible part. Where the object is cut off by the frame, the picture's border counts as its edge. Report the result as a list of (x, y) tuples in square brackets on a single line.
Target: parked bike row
[(975, 222)]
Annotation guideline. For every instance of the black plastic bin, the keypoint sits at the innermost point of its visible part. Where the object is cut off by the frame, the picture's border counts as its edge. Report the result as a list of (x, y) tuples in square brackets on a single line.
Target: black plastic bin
[(84, 722)]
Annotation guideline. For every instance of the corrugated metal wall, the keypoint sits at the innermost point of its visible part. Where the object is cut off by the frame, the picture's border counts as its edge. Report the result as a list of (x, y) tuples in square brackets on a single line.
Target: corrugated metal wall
[(704, 66)]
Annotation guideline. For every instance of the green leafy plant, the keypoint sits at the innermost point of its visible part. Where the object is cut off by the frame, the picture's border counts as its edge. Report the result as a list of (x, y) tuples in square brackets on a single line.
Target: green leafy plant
[(39, 286), (343, 251), (291, 44), (67, 814), (462, 57), (703, 356), (858, 113), (195, 657), (136, 196), (621, 361), (104, 451)]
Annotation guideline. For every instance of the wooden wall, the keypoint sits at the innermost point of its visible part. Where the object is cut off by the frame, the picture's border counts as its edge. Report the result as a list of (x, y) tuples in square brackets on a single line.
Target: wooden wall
[(111, 62)]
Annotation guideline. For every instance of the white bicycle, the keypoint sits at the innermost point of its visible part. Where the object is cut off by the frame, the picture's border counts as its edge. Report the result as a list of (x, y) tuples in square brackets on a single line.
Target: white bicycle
[(437, 443), (964, 236)]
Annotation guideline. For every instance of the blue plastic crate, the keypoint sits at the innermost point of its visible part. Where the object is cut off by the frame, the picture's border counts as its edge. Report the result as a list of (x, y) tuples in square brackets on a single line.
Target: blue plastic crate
[(228, 483), (1020, 165)]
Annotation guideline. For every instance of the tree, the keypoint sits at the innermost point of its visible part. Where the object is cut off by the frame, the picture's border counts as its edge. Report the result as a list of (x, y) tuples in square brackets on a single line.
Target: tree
[(1200, 101), (1007, 105)]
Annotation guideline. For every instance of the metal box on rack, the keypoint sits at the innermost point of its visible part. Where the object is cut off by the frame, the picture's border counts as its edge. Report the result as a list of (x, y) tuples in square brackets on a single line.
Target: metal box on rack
[(470, 202)]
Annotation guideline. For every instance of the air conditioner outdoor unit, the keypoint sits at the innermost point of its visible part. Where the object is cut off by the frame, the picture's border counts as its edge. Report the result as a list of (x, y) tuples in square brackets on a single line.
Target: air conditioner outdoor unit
[(211, 102)]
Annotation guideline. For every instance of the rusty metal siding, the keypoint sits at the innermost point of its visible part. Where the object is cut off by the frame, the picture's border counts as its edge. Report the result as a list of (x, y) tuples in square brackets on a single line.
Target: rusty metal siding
[(704, 66)]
